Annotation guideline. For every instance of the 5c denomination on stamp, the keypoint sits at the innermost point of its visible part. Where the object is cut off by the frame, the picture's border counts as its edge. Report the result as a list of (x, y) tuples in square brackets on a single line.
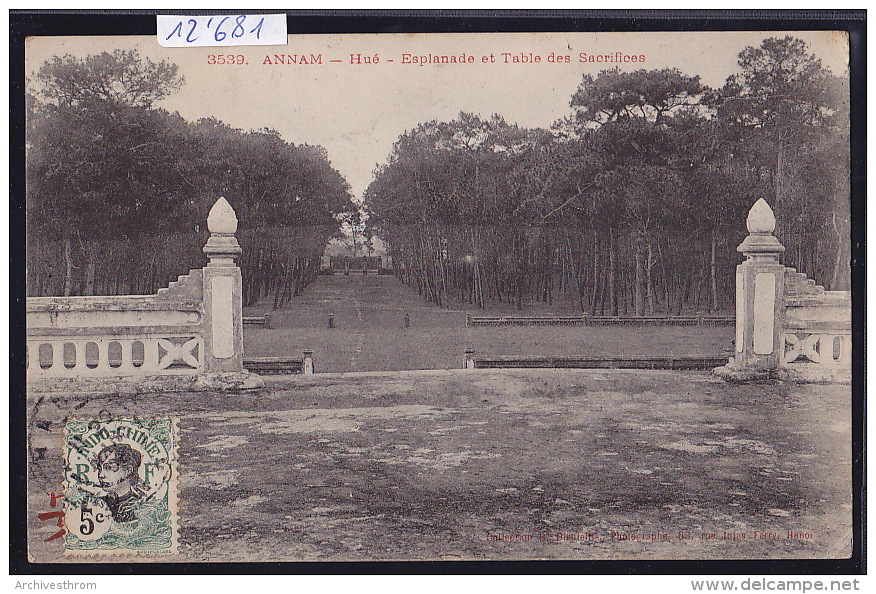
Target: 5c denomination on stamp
[(121, 479)]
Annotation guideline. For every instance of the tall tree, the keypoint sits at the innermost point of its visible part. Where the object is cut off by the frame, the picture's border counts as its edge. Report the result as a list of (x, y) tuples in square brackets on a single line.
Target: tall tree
[(647, 94), (634, 116), (104, 163), (121, 77), (795, 113), (783, 92), (95, 147)]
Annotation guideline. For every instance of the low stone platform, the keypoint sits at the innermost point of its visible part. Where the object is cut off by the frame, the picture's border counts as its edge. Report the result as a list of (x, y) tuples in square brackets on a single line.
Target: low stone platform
[(488, 464)]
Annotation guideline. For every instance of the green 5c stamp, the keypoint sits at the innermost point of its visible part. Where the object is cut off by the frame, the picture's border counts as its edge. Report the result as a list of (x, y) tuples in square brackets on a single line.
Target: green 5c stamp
[(120, 478)]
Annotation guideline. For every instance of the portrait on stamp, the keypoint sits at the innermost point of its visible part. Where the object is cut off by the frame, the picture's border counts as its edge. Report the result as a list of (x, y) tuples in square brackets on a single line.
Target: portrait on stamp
[(120, 486)]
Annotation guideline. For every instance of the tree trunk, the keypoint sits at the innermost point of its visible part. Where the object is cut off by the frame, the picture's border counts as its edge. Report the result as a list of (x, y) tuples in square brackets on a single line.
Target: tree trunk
[(839, 280), (68, 266), (612, 295), (649, 285), (479, 288), (713, 274), (91, 264), (596, 290), (779, 180), (638, 293), (574, 273)]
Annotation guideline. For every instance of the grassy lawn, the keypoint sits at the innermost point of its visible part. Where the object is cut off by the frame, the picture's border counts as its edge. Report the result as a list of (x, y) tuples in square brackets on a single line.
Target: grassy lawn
[(491, 464), (369, 333)]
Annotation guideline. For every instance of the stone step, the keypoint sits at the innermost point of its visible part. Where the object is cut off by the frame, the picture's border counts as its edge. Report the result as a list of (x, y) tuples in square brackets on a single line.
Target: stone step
[(173, 284)]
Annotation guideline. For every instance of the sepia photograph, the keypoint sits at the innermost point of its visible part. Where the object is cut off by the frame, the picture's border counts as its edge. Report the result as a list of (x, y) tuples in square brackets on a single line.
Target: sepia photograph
[(512, 296)]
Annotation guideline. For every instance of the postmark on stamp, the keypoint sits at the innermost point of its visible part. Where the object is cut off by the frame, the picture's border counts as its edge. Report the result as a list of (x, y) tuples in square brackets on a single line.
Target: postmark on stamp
[(120, 486)]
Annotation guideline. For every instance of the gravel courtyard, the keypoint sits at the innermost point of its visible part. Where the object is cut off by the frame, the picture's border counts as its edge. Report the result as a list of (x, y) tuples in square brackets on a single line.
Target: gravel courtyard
[(489, 464)]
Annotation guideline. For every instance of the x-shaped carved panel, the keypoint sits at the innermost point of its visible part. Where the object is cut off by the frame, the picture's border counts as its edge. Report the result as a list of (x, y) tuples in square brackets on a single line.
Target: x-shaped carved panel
[(806, 347), (179, 352)]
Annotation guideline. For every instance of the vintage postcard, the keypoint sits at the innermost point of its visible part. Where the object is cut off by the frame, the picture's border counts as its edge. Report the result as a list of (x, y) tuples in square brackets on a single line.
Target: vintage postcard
[(430, 297)]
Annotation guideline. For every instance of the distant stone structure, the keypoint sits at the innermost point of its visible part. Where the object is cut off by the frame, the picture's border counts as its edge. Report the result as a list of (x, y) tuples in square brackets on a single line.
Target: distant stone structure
[(355, 263), (787, 327), (347, 255), (187, 337)]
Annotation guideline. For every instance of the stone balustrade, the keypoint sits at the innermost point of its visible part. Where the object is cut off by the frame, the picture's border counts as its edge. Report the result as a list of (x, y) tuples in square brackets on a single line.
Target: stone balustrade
[(817, 336), (787, 326), (94, 336), (189, 336)]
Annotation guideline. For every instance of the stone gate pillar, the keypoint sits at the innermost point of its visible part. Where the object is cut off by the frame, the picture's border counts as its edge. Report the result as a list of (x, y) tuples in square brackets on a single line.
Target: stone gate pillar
[(760, 288), (223, 303)]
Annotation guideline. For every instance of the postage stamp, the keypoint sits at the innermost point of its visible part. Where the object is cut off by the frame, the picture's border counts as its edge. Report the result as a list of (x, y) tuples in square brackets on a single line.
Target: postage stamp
[(121, 484)]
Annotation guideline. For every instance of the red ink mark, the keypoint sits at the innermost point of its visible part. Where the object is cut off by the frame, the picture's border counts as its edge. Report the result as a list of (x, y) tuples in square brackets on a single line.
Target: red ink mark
[(50, 515), (45, 516)]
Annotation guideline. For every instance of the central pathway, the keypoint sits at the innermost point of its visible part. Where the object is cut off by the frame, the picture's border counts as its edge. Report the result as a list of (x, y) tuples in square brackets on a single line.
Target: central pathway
[(370, 334)]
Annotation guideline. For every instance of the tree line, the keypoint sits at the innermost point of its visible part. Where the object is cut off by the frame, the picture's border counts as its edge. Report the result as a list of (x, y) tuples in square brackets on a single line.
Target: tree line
[(635, 202), (118, 189)]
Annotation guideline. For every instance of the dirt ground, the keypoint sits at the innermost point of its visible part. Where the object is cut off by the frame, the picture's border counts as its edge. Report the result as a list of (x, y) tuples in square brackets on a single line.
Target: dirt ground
[(490, 464), (369, 332)]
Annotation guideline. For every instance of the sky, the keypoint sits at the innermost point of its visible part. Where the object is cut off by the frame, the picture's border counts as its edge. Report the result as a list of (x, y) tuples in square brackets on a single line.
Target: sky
[(357, 110)]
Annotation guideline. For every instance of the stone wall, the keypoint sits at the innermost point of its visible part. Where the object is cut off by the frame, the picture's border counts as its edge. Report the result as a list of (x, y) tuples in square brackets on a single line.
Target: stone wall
[(816, 331), (187, 336)]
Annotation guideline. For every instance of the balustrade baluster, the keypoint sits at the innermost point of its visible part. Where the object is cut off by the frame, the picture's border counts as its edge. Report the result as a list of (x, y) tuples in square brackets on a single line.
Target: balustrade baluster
[(127, 354), (103, 355), (150, 355), (34, 359), (57, 367), (844, 355), (79, 351)]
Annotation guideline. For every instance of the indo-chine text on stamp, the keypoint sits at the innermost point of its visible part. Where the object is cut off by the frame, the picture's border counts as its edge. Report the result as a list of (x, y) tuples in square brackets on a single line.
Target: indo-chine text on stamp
[(120, 486)]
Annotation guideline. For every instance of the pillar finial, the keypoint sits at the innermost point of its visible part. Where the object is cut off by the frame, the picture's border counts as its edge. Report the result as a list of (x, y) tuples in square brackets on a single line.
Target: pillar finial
[(222, 219), (761, 243), (222, 247), (761, 218)]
